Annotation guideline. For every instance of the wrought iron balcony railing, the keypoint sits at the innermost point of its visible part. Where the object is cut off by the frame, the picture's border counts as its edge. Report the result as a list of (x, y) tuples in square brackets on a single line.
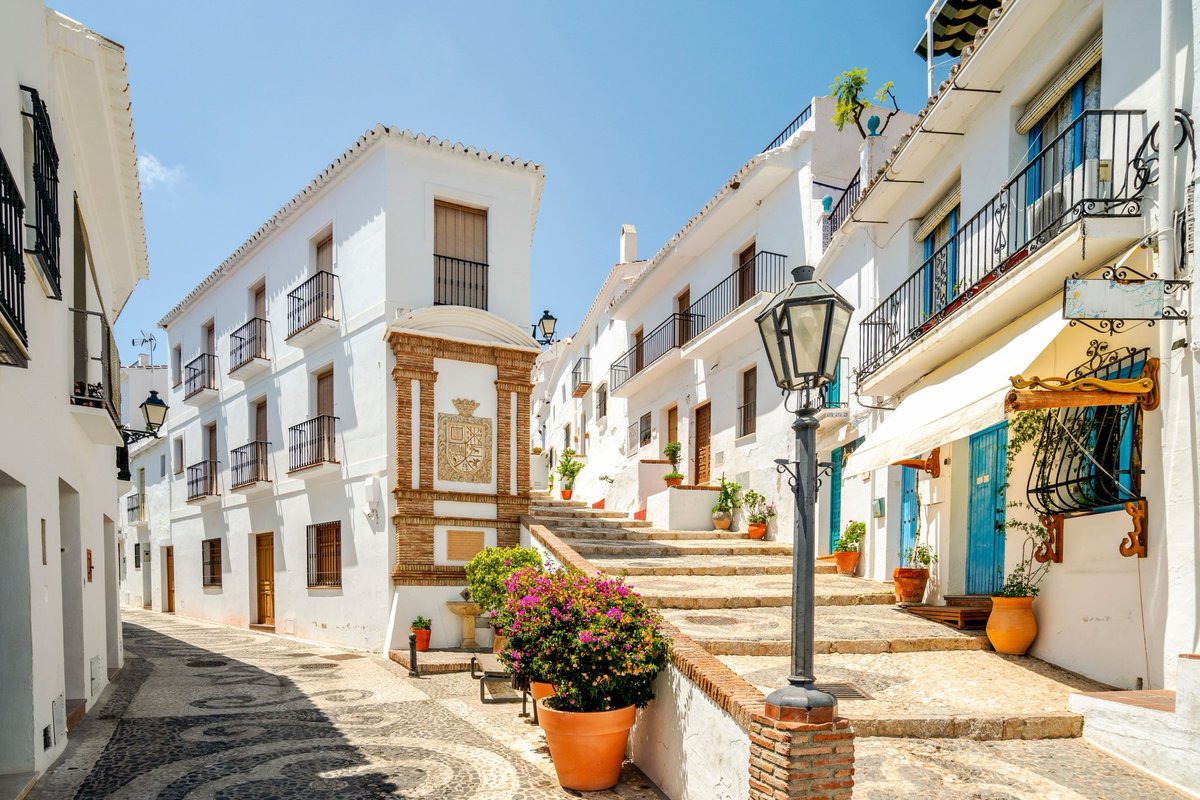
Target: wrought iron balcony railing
[(791, 128), (766, 272), (581, 377), (199, 374), (457, 282), (1097, 167), (248, 343), (248, 464), (135, 508), (653, 346), (202, 480), (12, 262), (841, 209), (45, 229), (97, 370), (311, 302), (747, 418), (312, 442)]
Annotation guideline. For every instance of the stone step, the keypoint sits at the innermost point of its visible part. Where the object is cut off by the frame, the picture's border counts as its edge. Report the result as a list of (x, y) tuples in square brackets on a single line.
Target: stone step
[(939, 694), (695, 565), (639, 549), (591, 513), (766, 631), (757, 591), (589, 522), (646, 535)]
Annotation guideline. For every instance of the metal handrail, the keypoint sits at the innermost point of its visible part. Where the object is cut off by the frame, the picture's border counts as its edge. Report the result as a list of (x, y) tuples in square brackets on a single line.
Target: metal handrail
[(97, 381), (841, 209), (199, 374), (311, 302), (653, 346), (1097, 167), (312, 442), (248, 464), (458, 282), (791, 128), (766, 272), (46, 227), (248, 343), (582, 373), (202, 480), (12, 263)]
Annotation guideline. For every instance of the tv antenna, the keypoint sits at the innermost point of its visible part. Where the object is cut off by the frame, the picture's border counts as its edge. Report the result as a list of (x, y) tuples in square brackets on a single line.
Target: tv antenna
[(148, 341)]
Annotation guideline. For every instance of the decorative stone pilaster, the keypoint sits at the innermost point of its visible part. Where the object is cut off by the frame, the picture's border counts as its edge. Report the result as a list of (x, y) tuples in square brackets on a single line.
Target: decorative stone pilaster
[(795, 759)]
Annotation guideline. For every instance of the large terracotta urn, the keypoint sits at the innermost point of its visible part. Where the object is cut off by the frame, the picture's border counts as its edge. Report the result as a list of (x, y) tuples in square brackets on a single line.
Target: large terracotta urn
[(1012, 627), (909, 583), (587, 747), (847, 561)]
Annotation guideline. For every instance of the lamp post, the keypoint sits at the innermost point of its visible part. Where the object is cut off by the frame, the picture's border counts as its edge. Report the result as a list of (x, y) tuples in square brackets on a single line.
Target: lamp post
[(154, 413), (803, 329), (545, 326)]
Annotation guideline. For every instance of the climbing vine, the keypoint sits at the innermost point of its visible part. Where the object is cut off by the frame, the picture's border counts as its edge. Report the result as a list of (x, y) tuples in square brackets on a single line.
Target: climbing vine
[(1027, 575)]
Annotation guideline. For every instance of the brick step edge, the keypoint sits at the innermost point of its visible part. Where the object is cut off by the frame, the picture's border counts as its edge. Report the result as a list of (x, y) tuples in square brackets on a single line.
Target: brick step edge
[(983, 728)]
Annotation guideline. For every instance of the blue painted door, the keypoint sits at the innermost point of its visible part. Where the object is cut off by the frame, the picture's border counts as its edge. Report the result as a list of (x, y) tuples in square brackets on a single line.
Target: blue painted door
[(985, 511), (835, 498), (908, 510)]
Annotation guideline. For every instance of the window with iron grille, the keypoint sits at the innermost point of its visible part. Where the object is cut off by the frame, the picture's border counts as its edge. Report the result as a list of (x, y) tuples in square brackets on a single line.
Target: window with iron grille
[(644, 430), (602, 402), (325, 554), (137, 556), (748, 410), (211, 554), (41, 215)]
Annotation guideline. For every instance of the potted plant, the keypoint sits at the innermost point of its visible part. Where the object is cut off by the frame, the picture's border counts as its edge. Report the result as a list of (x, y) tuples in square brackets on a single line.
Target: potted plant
[(909, 581), (487, 577), (672, 451), (758, 513), (421, 626), (846, 551), (568, 469), (601, 646), (727, 501)]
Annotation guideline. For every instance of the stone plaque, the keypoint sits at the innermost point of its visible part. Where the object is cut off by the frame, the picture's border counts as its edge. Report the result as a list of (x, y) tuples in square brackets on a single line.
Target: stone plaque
[(463, 545), (464, 445)]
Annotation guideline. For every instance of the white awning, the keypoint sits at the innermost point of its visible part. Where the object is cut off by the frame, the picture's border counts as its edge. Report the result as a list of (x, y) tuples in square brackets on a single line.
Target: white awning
[(956, 402)]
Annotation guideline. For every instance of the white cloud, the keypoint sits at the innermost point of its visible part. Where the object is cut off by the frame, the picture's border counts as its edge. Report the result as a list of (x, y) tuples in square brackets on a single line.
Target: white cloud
[(155, 173)]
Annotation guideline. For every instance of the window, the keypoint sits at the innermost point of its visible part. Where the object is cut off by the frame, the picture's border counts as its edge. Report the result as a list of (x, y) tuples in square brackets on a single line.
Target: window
[(1084, 94), (324, 248), (639, 351), (748, 411), (601, 402), (162, 465), (211, 553), (941, 282), (137, 556), (460, 255), (41, 190), (258, 300), (644, 430), (567, 436), (325, 554), (176, 365), (745, 270), (178, 454), (683, 307)]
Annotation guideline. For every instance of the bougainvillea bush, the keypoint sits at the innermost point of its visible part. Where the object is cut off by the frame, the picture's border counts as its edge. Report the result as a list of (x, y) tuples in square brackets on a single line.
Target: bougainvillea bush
[(594, 638), (488, 572)]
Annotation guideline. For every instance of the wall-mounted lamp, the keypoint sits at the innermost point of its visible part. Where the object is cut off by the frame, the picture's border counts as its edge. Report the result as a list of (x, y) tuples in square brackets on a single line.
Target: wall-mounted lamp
[(371, 496)]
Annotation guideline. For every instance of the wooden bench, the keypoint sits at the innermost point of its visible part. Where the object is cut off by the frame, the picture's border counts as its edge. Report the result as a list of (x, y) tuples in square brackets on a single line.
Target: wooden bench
[(961, 617)]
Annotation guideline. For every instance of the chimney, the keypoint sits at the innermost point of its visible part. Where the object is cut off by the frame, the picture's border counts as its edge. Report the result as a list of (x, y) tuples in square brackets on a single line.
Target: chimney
[(628, 243), (143, 359)]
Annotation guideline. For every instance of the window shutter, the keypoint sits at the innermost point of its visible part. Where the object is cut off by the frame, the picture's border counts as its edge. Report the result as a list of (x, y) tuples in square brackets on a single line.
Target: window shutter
[(1083, 61)]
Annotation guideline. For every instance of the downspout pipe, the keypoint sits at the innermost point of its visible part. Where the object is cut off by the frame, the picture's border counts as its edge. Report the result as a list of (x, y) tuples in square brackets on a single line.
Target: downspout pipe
[(1165, 113), (929, 15)]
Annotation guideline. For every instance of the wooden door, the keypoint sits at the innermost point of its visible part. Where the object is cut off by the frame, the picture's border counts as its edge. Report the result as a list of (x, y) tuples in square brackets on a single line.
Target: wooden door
[(260, 302), (703, 443), (260, 421), (210, 339), (210, 454), (325, 394), (170, 578), (459, 232), (985, 511), (673, 424), (639, 351), (683, 322), (265, 548), (325, 254), (746, 278)]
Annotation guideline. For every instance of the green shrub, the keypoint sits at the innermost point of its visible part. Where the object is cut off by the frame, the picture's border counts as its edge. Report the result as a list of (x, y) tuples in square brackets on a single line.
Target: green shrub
[(490, 569)]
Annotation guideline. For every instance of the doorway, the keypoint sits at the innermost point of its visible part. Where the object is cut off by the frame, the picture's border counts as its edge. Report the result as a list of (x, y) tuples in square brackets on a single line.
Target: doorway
[(908, 510), (16, 656), (985, 511), (835, 496), (71, 559), (169, 578), (703, 443), (147, 583), (265, 577)]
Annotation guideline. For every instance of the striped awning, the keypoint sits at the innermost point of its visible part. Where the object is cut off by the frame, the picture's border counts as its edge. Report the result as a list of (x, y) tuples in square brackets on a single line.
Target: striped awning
[(955, 26)]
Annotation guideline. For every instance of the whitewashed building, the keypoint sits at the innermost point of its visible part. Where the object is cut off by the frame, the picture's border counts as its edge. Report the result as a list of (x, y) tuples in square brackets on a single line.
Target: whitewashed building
[(305, 372), (668, 350), (72, 248)]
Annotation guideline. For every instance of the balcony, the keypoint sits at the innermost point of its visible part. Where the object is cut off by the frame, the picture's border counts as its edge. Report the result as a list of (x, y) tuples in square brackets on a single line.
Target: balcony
[(135, 509), (14, 340), (581, 377), (726, 312), (653, 346), (791, 128), (96, 392), (840, 210), (312, 447), (248, 350), (248, 470), (835, 396), (200, 380), (45, 230), (202, 483), (457, 282), (312, 309), (1095, 170)]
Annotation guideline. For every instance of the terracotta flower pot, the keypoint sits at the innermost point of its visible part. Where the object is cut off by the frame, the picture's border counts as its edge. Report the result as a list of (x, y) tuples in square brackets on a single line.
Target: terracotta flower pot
[(757, 530), (847, 561), (422, 639), (722, 520), (910, 583), (587, 747), (499, 642), (539, 690), (1012, 627), (674, 481), (566, 493)]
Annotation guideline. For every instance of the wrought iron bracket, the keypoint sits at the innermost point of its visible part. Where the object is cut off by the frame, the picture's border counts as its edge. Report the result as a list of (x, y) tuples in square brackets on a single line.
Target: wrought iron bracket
[(134, 436), (1174, 300), (791, 469), (1052, 548), (1134, 543)]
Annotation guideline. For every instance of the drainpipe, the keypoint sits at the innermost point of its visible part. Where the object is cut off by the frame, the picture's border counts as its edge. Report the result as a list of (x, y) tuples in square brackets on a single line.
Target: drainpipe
[(1166, 142), (929, 15)]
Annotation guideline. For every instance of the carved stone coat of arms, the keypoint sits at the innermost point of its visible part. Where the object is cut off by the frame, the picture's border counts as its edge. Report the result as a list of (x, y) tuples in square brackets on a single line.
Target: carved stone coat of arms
[(464, 445)]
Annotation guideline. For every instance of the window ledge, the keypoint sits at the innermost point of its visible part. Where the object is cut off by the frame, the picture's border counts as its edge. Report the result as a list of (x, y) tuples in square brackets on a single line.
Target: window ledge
[(749, 438)]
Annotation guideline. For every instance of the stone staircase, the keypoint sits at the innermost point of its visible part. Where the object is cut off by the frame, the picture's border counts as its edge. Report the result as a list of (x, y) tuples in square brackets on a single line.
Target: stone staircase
[(900, 674)]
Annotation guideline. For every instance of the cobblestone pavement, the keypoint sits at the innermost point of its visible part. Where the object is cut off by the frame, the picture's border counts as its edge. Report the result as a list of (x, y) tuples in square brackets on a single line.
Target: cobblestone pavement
[(957, 769), (206, 711)]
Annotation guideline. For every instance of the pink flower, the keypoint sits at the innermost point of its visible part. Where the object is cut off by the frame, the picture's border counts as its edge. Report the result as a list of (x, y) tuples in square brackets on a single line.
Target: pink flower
[(614, 613), (586, 637)]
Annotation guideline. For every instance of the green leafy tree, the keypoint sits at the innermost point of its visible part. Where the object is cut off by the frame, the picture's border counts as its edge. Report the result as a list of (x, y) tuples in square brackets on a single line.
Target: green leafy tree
[(849, 90)]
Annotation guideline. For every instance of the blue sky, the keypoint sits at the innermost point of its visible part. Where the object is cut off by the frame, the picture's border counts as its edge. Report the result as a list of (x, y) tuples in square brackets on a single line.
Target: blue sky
[(638, 111)]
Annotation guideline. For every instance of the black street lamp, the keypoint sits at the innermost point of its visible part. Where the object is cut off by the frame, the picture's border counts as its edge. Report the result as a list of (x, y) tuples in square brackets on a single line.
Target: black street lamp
[(154, 412), (545, 326), (803, 329)]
